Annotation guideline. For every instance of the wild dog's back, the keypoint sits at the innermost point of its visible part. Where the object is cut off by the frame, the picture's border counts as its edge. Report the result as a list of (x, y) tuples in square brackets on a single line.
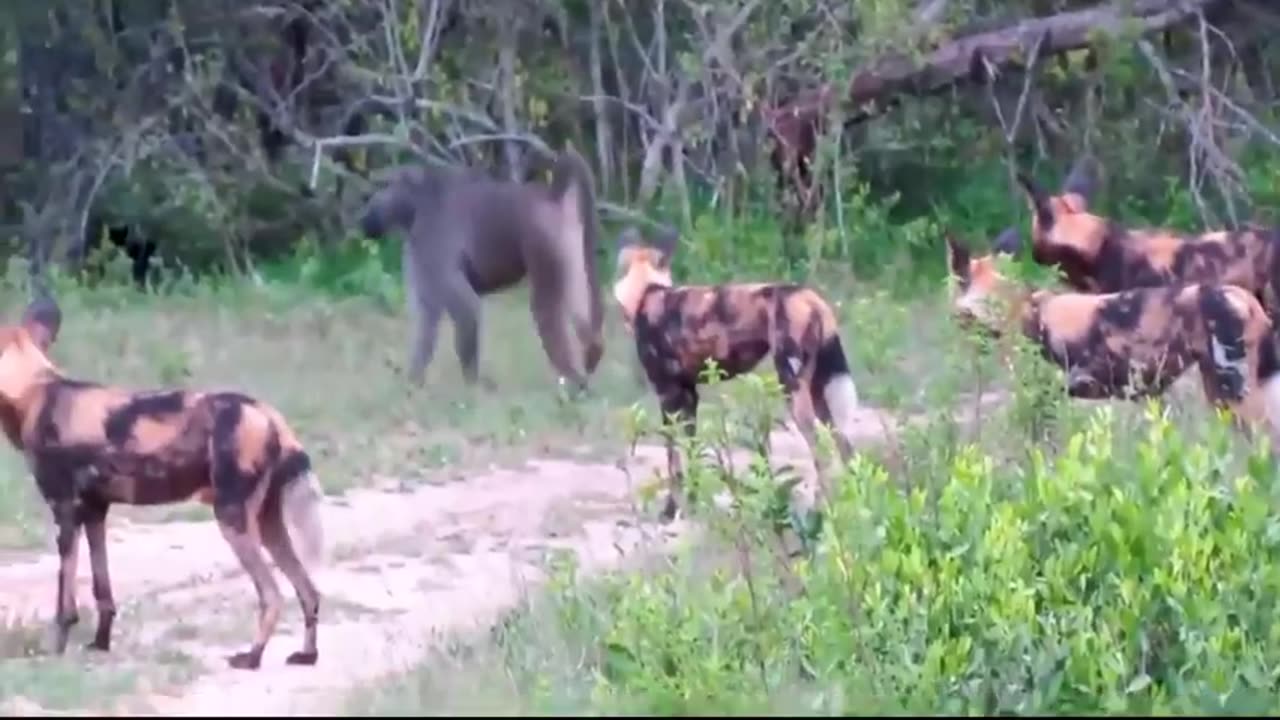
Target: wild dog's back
[(137, 448), (683, 327)]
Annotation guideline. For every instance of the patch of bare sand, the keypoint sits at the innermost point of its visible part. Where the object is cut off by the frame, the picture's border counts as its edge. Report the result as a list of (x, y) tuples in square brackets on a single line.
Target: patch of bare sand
[(401, 567)]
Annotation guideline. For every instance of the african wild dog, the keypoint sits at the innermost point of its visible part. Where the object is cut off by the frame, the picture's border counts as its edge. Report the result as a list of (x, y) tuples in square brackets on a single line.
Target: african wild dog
[(678, 328), (1100, 255), (90, 445), (1134, 343)]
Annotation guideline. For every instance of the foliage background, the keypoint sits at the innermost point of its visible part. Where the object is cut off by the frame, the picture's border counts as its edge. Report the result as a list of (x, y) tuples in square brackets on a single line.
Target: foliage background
[(1056, 558)]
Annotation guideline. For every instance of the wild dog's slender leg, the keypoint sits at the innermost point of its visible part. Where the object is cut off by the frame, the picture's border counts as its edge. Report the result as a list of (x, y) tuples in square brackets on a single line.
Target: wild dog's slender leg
[(803, 413), (275, 537), (234, 521), (94, 513), (795, 369), (679, 404), (67, 519)]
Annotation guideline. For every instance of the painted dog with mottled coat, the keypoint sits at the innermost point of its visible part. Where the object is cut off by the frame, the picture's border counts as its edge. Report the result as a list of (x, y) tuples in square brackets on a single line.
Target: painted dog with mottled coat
[(91, 445), (1097, 254), (678, 328), (1135, 343)]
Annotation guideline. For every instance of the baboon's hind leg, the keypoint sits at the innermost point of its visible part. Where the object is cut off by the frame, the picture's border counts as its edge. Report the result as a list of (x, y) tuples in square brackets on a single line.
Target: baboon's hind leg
[(591, 335), (275, 536), (463, 305), (544, 303)]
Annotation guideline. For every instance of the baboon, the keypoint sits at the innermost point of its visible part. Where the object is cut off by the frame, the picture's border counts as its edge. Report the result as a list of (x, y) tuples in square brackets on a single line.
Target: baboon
[(678, 328), (1135, 343), (469, 235), (90, 445)]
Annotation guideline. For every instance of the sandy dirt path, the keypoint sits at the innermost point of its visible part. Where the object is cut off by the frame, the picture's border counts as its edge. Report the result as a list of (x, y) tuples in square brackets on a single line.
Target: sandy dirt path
[(402, 567)]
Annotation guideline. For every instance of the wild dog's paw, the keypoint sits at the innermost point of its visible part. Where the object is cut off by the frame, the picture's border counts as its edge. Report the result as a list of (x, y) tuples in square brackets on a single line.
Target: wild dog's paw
[(248, 660), (302, 658)]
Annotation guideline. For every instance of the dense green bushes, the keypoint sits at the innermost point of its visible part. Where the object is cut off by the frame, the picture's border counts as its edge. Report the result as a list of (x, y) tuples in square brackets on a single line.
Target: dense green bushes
[(1134, 571), (1129, 573)]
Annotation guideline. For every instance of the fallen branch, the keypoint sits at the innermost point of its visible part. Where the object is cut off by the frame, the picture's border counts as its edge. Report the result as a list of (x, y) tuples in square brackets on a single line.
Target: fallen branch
[(978, 56), (941, 68)]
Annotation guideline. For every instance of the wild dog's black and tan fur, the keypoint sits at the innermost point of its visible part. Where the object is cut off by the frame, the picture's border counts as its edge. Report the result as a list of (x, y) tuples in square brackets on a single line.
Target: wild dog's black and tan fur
[(678, 329), (1134, 343), (90, 445), (1097, 254)]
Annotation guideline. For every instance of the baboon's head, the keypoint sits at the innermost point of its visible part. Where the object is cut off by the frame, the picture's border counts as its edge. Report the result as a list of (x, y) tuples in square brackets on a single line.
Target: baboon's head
[(1062, 228), (640, 265), (393, 206), (22, 349), (977, 287)]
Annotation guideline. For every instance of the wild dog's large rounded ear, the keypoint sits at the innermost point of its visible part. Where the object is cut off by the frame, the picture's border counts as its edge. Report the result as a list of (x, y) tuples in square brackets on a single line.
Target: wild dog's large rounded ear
[(1037, 199), (1034, 192), (1009, 242), (1082, 182), (958, 256), (42, 320), (627, 239), (666, 240), (629, 236)]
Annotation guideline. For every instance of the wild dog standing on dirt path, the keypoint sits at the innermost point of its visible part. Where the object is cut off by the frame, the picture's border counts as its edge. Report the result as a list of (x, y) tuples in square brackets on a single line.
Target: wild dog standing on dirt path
[(678, 328), (1104, 342), (1101, 255), (91, 445), (470, 235)]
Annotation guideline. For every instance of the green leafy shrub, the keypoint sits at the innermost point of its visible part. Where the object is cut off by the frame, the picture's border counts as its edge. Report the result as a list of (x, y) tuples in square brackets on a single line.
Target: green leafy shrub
[(1134, 571)]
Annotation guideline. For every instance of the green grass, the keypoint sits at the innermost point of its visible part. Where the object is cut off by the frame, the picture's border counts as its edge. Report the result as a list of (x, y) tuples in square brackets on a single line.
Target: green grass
[(334, 368), (81, 679), (332, 365)]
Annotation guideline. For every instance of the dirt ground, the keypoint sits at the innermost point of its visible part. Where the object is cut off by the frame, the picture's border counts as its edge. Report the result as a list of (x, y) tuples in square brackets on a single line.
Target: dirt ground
[(401, 567)]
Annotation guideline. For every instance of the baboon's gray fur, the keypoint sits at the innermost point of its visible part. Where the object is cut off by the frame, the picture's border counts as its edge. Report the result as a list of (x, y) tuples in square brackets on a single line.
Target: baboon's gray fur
[(468, 235)]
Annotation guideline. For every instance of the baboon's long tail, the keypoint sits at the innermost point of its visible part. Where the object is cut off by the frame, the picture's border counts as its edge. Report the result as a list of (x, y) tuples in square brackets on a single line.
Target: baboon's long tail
[(834, 380), (573, 186), (301, 496)]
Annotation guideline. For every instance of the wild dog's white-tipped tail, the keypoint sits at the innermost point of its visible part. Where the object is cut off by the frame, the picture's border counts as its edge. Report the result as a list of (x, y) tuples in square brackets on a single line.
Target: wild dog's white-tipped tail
[(842, 399), (836, 381), (302, 498)]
